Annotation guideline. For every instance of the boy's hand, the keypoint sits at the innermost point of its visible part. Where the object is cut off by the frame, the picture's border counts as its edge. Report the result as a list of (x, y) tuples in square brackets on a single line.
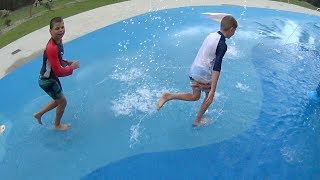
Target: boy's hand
[(75, 64), (70, 62)]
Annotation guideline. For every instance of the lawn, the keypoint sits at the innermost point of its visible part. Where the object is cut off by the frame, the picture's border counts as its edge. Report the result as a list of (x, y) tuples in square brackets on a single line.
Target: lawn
[(22, 24), (299, 3), (41, 16)]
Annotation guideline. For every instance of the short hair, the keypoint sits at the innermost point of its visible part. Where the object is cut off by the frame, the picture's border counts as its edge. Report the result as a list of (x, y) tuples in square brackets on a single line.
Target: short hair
[(228, 22), (55, 20)]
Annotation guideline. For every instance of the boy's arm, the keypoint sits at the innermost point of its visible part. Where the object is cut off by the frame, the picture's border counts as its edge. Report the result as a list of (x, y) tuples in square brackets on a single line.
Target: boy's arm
[(69, 62), (58, 70), (215, 78), (221, 50)]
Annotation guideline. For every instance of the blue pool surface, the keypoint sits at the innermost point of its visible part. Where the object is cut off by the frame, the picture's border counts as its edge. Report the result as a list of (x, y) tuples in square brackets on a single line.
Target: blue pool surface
[(261, 125)]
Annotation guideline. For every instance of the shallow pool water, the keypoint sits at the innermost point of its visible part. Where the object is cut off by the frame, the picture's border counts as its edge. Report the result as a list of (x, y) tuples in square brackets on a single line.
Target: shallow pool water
[(261, 124)]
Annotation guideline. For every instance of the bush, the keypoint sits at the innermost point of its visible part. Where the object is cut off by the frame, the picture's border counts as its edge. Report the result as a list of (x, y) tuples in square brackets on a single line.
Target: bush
[(47, 5), (7, 22), (4, 13)]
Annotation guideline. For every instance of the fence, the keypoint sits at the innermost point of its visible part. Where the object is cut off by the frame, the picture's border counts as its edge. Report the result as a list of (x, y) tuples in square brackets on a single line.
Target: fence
[(14, 4)]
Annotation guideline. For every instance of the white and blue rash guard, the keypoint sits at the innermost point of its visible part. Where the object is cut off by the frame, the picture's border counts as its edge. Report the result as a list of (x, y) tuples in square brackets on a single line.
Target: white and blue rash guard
[(209, 57)]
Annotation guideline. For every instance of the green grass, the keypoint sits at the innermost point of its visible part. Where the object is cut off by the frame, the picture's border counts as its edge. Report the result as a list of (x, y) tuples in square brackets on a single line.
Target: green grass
[(62, 9), (23, 13), (299, 3)]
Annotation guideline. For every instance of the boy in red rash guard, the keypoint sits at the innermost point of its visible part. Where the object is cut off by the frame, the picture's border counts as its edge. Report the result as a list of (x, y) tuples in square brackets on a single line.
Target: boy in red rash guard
[(55, 66)]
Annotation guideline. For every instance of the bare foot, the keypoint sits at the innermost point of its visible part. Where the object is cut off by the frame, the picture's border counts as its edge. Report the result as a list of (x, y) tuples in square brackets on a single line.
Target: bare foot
[(62, 127), (164, 98), (202, 121), (38, 117), (2, 128), (195, 124)]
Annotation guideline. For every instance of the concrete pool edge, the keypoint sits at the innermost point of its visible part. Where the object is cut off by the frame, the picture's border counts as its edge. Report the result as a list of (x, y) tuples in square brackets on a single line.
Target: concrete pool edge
[(116, 12)]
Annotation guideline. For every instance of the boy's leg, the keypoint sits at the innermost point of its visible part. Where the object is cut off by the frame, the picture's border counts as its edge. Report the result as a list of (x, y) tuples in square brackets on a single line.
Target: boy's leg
[(62, 103), (203, 109), (179, 96), (53, 88), (51, 105)]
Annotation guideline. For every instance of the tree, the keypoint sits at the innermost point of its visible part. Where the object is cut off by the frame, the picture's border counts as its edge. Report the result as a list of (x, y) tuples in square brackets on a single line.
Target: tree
[(33, 3)]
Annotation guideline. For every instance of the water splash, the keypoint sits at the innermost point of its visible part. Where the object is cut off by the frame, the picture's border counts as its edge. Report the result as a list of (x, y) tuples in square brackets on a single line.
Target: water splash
[(136, 131), (287, 31), (244, 10), (127, 76), (242, 87), (5, 126), (81, 108), (142, 100), (192, 31)]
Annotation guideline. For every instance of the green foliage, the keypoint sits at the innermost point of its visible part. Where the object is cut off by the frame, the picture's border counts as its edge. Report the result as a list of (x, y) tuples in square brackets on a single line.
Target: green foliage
[(313, 2), (47, 5), (7, 22), (4, 13), (299, 3), (62, 8)]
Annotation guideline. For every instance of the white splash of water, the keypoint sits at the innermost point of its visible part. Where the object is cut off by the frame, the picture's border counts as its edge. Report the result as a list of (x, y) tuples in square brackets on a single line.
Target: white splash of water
[(102, 81), (81, 106), (292, 31), (135, 132), (246, 35), (3, 136), (127, 76), (220, 100), (244, 10), (88, 71), (300, 57), (242, 87), (192, 31), (142, 100), (232, 52)]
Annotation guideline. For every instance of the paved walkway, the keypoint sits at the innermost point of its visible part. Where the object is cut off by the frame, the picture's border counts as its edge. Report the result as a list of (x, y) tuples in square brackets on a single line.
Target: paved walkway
[(32, 44)]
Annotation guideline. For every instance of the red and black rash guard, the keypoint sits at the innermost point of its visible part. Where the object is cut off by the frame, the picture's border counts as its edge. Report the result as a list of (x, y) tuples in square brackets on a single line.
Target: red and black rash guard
[(52, 60)]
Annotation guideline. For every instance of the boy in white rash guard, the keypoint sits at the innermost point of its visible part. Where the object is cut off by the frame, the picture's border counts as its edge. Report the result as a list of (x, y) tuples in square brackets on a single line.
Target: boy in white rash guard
[(205, 70)]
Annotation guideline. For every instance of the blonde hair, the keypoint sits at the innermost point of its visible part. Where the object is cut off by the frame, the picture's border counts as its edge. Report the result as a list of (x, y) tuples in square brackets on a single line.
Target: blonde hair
[(228, 22)]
